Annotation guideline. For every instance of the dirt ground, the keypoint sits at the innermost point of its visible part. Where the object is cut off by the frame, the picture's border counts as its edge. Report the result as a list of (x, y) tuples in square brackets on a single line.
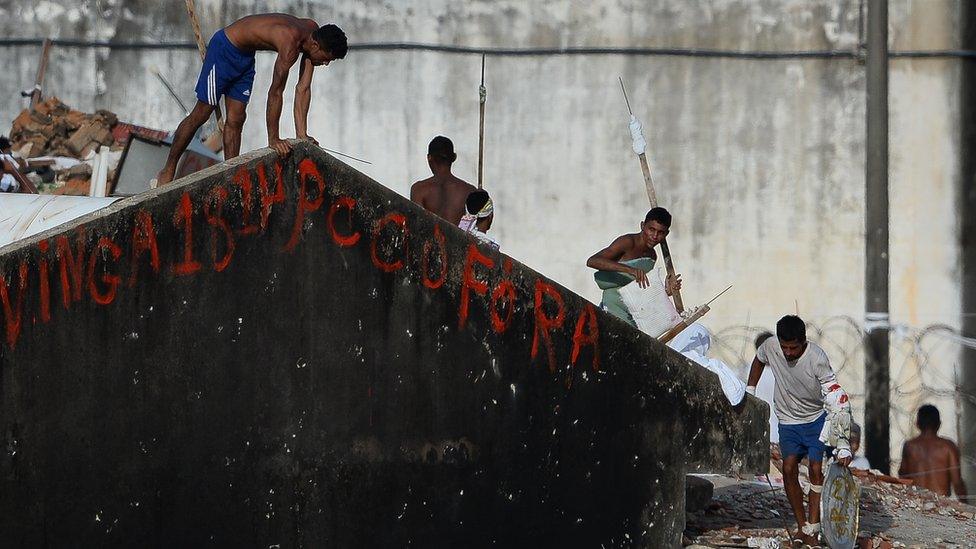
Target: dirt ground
[(748, 513)]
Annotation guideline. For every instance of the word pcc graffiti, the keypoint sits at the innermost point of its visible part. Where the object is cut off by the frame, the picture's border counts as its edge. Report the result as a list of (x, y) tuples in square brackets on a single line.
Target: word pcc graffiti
[(199, 230)]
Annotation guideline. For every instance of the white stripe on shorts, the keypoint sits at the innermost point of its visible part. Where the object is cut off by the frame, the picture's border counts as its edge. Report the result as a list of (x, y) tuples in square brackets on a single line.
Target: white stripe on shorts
[(212, 85)]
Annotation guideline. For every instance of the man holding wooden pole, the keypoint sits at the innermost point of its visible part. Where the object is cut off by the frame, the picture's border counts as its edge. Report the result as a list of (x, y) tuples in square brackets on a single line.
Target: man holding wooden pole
[(628, 259), (640, 145)]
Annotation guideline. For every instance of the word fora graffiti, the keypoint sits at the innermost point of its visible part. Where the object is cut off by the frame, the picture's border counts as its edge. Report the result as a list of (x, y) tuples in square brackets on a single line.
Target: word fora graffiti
[(67, 267)]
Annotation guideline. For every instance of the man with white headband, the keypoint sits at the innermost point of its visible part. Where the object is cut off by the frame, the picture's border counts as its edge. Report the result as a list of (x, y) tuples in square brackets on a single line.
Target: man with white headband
[(479, 213), (814, 413)]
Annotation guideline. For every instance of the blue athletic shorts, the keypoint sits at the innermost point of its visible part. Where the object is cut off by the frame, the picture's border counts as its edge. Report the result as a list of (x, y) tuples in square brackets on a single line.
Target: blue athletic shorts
[(226, 71), (797, 440)]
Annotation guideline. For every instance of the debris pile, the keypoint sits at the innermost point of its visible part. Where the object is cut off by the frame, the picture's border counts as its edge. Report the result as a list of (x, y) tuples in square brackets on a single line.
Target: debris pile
[(892, 515), (899, 496), (54, 129), (63, 144)]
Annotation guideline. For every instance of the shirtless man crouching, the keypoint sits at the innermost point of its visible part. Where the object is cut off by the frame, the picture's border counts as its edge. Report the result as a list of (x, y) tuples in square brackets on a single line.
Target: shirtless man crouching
[(632, 255), (228, 70)]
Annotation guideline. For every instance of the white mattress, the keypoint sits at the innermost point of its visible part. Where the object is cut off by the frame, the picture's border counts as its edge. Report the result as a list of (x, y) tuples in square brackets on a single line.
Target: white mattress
[(23, 215)]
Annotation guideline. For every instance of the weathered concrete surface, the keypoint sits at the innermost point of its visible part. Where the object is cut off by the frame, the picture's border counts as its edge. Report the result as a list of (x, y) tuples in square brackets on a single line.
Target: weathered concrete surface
[(289, 353), (757, 159)]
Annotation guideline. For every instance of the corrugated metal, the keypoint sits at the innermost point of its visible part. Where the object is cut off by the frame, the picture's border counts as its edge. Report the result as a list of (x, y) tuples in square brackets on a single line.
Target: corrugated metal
[(23, 215)]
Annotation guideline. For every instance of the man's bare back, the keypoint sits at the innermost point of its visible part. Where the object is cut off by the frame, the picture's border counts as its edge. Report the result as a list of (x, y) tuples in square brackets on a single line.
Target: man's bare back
[(442, 195), (278, 32), (933, 463), (228, 72)]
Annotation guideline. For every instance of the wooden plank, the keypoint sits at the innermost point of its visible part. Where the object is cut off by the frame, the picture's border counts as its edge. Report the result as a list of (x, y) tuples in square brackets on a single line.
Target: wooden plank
[(41, 69), (202, 47), (652, 198)]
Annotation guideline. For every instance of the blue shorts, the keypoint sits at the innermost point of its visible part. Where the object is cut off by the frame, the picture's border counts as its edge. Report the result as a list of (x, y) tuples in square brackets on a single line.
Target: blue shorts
[(226, 71), (797, 440)]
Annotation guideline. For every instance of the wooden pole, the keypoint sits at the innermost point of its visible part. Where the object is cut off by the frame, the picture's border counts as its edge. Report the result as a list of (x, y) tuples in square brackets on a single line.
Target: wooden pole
[(202, 47), (41, 69), (680, 327), (697, 313), (483, 93), (26, 185), (652, 198)]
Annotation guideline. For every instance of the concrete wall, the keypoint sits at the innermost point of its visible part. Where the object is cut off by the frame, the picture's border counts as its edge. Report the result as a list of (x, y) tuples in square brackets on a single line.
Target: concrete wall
[(761, 161), (289, 353)]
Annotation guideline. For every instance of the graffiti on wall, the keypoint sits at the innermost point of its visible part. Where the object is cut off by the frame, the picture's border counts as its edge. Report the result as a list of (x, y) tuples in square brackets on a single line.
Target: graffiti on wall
[(58, 272)]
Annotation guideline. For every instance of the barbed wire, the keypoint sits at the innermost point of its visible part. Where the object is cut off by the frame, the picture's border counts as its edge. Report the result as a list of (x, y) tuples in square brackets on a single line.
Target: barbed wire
[(925, 367)]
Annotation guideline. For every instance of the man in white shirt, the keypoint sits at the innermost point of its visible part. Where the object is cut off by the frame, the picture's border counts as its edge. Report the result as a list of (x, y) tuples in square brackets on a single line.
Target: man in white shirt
[(805, 382)]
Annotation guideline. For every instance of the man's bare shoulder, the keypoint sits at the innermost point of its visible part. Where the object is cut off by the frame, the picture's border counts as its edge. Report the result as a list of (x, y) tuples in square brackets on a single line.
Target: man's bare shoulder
[(421, 189), (628, 241), (949, 444), (269, 31), (913, 443), (309, 24), (422, 184), (458, 182)]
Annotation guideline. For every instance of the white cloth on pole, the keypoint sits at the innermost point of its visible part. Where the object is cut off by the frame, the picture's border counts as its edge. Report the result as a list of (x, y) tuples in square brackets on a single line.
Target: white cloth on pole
[(637, 135)]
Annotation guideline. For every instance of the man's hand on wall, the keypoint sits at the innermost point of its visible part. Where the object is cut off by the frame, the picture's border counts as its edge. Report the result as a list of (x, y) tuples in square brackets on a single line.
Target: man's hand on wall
[(280, 146)]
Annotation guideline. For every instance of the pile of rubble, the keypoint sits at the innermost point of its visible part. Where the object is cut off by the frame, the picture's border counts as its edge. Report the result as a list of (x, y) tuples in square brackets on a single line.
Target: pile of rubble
[(900, 496), (54, 129), (63, 144), (892, 515)]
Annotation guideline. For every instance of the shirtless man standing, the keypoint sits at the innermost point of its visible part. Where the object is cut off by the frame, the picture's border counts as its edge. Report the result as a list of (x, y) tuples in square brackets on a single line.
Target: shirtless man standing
[(443, 194), (930, 460), (228, 70)]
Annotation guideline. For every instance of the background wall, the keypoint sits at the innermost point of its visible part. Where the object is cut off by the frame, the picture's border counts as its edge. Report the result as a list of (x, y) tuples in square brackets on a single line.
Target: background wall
[(761, 161)]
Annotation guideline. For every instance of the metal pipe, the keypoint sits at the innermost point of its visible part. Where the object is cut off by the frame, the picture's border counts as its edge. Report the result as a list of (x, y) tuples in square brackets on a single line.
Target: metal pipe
[(966, 200), (876, 325)]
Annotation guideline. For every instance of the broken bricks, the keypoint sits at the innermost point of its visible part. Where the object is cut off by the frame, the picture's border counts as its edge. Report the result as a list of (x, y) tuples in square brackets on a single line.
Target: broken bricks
[(53, 128)]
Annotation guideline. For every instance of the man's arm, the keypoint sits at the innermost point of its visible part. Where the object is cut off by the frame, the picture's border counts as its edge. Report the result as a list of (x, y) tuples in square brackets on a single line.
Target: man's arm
[(286, 58), (755, 372), (303, 98), (837, 404), (608, 259), (955, 474), (905, 468), (417, 195)]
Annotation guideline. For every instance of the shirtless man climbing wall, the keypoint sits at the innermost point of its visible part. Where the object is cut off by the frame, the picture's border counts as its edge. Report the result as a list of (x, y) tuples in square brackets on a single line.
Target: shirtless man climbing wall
[(228, 71), (443, 194), (930, 460)]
